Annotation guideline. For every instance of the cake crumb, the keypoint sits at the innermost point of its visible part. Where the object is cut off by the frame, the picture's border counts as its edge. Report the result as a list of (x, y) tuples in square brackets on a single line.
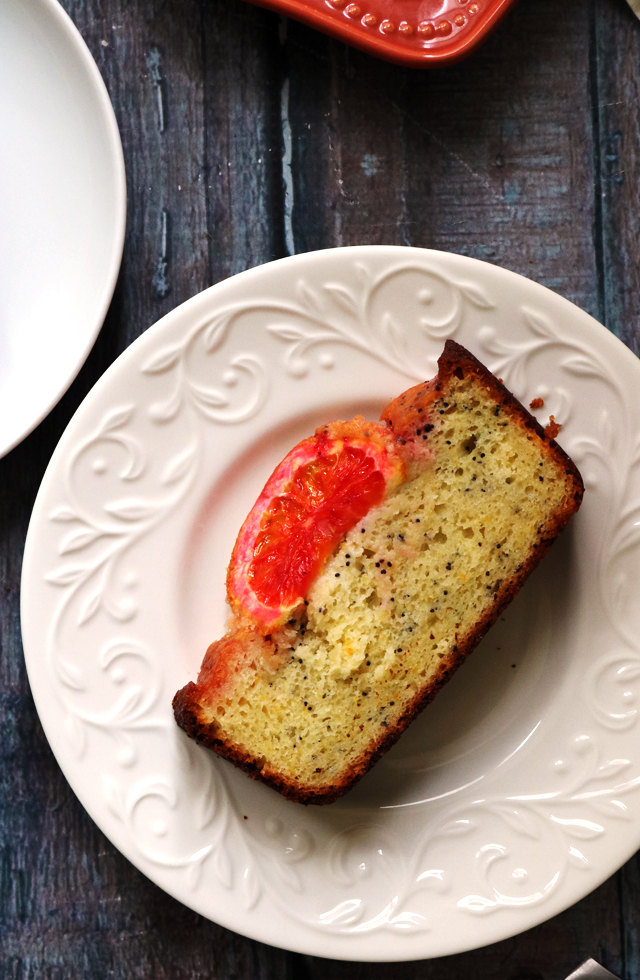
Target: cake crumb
[(552, 428), (536, 403)]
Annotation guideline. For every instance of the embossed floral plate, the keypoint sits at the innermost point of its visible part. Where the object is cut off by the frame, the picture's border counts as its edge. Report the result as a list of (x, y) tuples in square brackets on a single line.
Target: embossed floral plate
[(62, 209), (518, 790), (420, 35)]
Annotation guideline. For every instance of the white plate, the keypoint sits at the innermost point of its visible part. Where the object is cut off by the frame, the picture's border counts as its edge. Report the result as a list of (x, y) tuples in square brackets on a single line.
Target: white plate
[(517, 791), (62, 210)]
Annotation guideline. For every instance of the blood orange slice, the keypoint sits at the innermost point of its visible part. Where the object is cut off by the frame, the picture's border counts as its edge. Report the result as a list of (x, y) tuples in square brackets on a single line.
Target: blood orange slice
[(320, 490)]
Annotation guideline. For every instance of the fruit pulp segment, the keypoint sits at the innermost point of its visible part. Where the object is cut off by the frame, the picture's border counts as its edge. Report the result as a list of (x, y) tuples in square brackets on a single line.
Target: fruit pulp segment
[(301, 528), (321, 489)]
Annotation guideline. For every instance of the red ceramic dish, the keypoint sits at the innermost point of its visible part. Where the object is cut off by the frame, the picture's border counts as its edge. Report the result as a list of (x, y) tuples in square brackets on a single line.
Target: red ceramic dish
[(420, 33)]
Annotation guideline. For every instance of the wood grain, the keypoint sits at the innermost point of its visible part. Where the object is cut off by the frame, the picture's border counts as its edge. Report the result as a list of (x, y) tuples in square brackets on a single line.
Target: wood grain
[(617, 153), (247, 138)]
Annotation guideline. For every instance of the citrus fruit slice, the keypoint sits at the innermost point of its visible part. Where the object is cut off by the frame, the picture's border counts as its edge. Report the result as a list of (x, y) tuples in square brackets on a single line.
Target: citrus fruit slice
[(320, 490)]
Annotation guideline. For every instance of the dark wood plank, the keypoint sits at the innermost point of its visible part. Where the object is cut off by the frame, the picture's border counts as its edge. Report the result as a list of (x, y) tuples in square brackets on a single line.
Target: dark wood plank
[(349, 173), (151, 60), (243, 160), (616, 55)]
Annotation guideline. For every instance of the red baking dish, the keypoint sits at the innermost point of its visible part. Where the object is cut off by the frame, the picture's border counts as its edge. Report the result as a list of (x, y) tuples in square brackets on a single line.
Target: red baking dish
[(419, 33)]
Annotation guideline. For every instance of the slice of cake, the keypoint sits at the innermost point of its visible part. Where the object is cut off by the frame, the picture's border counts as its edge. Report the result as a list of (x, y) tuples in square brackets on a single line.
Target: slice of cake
[(374, 561)]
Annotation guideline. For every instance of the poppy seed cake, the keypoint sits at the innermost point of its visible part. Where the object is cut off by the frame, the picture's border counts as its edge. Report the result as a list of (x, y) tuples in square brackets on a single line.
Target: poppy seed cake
[(404, 597)]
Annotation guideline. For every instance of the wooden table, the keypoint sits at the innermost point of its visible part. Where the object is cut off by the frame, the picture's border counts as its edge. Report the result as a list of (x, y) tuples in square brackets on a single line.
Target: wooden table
[(247, 138)]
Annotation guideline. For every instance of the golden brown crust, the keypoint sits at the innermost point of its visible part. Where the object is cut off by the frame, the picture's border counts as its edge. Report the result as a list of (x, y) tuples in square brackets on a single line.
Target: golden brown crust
[(455, 360)]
